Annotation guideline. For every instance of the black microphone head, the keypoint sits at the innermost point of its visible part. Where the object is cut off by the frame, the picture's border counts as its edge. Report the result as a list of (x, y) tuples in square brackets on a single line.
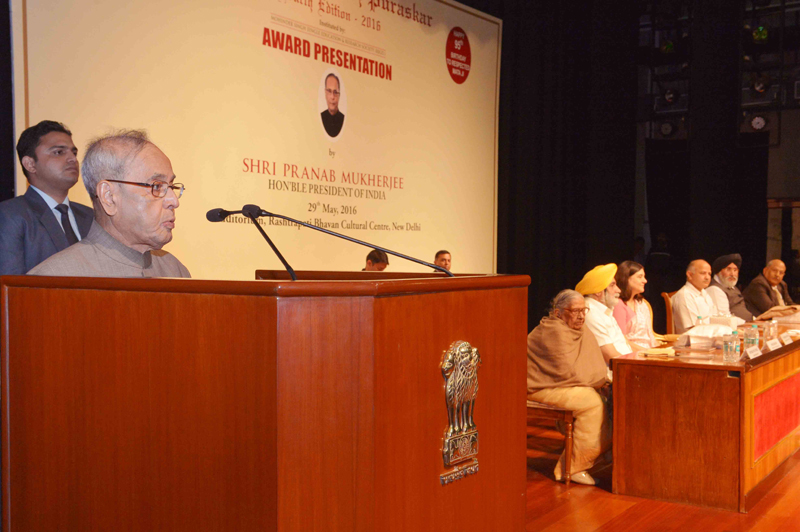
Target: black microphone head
[(217, 215), (251, 211)]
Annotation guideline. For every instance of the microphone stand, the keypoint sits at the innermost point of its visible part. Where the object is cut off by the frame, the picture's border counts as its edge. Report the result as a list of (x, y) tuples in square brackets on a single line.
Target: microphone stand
[(254, 217), (248, 210)]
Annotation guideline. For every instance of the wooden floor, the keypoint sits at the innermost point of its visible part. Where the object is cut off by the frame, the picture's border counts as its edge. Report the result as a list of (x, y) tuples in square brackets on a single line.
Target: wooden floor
[(553, 507)]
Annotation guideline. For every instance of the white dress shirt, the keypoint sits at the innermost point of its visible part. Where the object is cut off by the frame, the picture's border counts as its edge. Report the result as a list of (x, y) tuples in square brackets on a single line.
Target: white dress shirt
[(606, 330), (688, 303), (53, 204)]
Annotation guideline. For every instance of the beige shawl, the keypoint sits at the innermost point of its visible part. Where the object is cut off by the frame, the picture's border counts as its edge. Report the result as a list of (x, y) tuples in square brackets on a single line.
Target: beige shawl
[(560, 357)]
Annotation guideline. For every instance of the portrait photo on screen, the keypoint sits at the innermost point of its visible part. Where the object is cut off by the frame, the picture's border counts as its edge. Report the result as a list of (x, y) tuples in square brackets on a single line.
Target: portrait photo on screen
[(332, 104)]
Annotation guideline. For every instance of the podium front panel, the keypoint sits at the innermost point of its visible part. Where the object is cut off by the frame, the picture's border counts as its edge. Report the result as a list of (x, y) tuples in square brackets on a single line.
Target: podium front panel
[(159, 404)]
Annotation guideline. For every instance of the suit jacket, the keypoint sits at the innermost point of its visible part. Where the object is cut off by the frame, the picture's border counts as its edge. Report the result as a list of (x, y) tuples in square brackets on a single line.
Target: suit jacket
[(30, 232), (760, 297)]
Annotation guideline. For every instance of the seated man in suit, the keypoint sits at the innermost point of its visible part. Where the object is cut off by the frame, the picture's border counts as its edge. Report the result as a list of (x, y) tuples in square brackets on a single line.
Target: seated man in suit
[(768, 289), (693, 301), (566, 369), (43, 221), (135, 196), (723, 289)]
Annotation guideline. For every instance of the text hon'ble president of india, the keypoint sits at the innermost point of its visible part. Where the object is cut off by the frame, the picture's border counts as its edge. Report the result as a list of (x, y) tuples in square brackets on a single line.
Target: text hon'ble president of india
[(566, 369), (135, 196)]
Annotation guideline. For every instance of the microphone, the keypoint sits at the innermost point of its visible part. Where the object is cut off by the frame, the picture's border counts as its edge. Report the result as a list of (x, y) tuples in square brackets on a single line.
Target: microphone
[(218, 215), (254, 211)]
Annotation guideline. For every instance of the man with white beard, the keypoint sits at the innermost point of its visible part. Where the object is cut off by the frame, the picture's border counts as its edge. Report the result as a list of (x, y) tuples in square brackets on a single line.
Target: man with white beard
[(602, 294), (723, 289)]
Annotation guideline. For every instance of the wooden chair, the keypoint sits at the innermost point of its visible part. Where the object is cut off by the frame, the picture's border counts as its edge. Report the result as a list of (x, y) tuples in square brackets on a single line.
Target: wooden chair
[(668, 302), (650, 308), (544, 411)]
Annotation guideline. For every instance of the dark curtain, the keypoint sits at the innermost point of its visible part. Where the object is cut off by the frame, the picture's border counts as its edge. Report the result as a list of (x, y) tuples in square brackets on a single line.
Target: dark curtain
[(738, 213), (746, 205), (729, 170), (567, 140), (708, 194), (668, 201)]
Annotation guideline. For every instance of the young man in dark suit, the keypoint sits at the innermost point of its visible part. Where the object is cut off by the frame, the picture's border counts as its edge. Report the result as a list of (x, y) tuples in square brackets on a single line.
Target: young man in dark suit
[(42, 221)]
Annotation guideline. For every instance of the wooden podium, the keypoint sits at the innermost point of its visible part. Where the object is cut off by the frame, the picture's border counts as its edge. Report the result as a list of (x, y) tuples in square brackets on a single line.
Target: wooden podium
[(169, 404)]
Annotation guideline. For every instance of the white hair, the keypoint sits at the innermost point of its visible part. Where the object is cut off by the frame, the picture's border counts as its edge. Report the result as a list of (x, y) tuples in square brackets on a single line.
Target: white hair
[(563, 299), (107, 157)]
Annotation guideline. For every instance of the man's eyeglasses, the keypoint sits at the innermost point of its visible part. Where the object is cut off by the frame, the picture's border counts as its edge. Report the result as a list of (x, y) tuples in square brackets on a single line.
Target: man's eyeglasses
[(333, 92), (158, 188), (578, 311)]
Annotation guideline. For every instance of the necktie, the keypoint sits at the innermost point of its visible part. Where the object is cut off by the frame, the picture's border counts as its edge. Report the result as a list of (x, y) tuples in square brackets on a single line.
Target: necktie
[(64, 210), (781, 302)]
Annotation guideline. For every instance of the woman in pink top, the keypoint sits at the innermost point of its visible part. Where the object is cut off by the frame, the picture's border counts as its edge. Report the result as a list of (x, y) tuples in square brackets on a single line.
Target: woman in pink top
[(633, 312)]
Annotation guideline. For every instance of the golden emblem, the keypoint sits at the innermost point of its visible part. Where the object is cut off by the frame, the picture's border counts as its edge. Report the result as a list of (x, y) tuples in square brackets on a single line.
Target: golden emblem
[(460, 365)]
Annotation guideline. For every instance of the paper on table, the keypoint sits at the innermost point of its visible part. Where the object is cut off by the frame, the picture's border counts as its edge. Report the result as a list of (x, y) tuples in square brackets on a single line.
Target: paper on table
[(789, 311), (705, 336), (659, 351)]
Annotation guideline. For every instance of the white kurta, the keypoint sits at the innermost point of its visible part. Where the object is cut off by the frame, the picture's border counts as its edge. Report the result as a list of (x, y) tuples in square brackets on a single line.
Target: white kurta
[(688, 303), (606, 330)]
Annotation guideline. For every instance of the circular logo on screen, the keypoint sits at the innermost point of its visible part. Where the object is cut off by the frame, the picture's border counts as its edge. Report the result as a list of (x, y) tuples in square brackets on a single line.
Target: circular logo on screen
[(457, 55)]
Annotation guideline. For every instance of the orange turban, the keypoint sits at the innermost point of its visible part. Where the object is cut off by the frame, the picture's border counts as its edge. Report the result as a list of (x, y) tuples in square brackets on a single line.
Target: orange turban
[(597, 279)]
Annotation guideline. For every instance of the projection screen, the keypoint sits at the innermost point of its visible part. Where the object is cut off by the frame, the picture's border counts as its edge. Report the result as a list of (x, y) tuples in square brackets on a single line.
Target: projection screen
[(236, 94)]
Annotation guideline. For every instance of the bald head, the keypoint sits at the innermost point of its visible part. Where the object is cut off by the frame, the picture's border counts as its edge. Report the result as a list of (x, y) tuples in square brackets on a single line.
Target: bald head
[(698, 274), (774, 272)]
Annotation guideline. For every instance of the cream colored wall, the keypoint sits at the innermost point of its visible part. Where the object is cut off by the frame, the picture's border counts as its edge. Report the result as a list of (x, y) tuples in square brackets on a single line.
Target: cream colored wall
[(196, 76)]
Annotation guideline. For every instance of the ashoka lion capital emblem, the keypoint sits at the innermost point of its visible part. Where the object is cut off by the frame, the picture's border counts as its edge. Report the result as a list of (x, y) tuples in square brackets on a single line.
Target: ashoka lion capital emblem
[(460, 364)]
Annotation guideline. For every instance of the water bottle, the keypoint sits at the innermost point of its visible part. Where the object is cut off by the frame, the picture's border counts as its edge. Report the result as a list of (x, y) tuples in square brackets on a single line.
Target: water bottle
[(699, 320), (737, 346), (751, 337), (728, 349)]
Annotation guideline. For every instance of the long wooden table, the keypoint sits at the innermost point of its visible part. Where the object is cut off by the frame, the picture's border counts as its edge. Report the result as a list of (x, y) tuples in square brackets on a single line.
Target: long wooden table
[(706, 432)]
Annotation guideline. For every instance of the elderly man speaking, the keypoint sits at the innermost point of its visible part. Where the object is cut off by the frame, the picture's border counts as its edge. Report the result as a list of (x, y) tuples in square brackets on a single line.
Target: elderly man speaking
[(134, 195), (566, 369), (602, 295)]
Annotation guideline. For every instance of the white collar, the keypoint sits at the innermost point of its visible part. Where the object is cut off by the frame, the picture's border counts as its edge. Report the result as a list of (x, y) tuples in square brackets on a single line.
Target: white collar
[(597, 306), (690, 287), (50, 201)]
